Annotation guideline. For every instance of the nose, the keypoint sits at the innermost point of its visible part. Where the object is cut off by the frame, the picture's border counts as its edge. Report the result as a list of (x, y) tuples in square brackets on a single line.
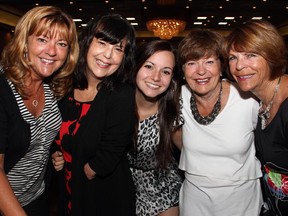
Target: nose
[(51, 50), (201, 69), (240, 64), (156, 76), (108, 52)]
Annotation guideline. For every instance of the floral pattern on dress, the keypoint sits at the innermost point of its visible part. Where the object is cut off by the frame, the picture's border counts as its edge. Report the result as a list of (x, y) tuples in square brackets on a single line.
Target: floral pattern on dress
[(276, 181)]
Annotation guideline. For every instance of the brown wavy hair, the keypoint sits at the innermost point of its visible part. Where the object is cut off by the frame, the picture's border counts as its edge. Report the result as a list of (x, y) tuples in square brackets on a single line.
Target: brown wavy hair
[(40, 20)]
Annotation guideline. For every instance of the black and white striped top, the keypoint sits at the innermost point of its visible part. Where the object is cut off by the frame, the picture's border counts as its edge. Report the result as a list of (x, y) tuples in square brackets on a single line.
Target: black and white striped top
[(27, 176)]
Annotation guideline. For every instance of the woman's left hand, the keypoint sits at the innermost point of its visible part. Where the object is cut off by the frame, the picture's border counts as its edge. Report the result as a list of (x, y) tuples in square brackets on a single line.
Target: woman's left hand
[(90, 174)]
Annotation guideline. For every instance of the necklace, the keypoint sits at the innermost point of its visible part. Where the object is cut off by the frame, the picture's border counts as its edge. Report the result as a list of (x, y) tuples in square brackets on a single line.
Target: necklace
[(35, 101), (211, 117), (264, 114)]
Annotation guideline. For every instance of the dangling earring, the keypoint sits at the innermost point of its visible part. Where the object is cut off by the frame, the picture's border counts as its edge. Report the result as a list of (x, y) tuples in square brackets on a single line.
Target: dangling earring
[(25, 55)]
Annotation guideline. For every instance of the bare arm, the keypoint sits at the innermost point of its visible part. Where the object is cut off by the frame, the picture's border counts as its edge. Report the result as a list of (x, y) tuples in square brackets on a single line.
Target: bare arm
[(9, 205), (177, 138)]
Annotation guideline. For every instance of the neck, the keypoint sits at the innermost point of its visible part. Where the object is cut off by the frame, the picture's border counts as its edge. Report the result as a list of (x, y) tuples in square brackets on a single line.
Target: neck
[(145, 106), (205, 116), (34, 86), (268, 91), (266, 108), (208, 101)]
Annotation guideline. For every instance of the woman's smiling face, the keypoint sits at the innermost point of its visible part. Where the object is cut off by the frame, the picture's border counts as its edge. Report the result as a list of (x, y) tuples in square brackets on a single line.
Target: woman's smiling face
[(250, 70), (155, 75)]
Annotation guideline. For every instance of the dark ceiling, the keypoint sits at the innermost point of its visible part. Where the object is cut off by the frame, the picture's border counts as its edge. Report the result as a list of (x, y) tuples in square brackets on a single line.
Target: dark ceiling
[(276, 11)]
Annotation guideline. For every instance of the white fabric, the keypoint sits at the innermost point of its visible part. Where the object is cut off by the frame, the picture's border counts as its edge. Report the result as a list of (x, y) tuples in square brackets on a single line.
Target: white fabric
[(201, 196), (221, 170)]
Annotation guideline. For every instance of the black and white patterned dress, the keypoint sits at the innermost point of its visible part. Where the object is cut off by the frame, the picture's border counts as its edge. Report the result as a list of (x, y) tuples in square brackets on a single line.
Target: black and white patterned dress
[(156, 191)]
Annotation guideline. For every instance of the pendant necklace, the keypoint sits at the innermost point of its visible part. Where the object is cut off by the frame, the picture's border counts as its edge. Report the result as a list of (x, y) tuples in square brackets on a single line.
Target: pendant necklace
[(211, 117), (264, 114), (35, 101)]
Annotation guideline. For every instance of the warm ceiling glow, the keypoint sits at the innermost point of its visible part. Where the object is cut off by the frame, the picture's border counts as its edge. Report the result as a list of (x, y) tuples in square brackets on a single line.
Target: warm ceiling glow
[(166, 28)]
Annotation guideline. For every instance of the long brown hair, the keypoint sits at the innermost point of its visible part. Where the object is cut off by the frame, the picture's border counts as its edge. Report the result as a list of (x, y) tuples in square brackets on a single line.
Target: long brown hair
[(168, 102)]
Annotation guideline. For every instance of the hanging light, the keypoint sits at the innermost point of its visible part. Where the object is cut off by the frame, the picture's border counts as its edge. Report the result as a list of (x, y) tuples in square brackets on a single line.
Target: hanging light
[(166, 28)]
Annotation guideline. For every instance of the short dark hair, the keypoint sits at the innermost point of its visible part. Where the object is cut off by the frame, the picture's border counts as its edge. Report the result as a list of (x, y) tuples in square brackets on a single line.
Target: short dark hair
[(201, 43)]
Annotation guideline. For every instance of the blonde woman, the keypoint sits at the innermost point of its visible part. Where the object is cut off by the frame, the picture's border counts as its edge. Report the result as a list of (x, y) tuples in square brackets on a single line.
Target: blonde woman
[(37, 67)]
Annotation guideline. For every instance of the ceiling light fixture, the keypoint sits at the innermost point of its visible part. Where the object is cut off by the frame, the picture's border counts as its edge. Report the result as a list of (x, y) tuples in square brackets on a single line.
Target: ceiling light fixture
[(77, 20), (201, 18), (229, 18), (166, 2), (256, 18), (166, 28)]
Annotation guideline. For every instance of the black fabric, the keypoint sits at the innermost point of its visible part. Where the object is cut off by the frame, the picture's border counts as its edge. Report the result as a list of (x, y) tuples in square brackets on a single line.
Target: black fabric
[(102, 140), (15, 134), (272, 150), (37, 207)]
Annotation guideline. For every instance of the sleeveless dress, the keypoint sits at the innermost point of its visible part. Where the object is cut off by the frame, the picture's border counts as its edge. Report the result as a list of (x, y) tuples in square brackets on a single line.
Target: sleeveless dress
[(156, 190), (221, 170)]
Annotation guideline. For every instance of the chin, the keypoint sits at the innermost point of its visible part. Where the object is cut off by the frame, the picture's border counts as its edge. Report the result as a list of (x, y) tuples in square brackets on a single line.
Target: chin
[(244, 87)]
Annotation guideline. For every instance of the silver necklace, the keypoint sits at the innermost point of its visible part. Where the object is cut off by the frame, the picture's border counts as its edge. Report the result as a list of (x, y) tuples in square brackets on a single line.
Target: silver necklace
[(35, 101), (264, 114), (211, 117)]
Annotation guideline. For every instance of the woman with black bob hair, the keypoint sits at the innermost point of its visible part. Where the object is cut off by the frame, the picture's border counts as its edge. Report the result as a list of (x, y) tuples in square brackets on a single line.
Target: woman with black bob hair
[(98, 120), (112, 32)]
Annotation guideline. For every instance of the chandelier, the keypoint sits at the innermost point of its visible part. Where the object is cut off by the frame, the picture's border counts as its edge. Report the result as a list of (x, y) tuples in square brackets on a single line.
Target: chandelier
[(166, 28)]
